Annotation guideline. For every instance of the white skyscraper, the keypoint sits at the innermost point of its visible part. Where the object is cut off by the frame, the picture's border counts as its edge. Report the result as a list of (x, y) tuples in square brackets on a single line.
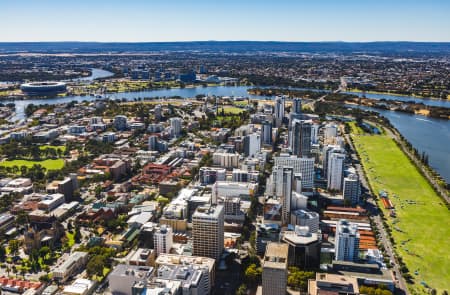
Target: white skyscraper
[(163, 239), (346, 241), (335, 171), (282, 180), (279, 110), (315, 133), (305, 166), (252, 144)]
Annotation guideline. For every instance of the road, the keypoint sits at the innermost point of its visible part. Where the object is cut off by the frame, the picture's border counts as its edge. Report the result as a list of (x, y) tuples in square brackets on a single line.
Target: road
[(376, 218), (312, 104)]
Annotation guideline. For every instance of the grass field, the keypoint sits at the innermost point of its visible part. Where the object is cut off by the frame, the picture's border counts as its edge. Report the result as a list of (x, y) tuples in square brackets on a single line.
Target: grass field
[(421, 230), (47, 164), (231, 110)]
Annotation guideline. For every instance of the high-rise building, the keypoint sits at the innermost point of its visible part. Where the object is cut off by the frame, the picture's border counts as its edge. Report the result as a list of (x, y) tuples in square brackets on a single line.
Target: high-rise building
[(274, 269), (335, 171), (252, 144), (153, 143), (282, 179), (304, 247), (329, 132), (175, 124), (266, 133), (120, 122), (163, 239), (300, 138), (305, 166), (296, 105), (326, 152), (279, 110), (227, 160), (315, 133), (346, 245), (209, 175), (303, 217), (352, 189), (208, 231)]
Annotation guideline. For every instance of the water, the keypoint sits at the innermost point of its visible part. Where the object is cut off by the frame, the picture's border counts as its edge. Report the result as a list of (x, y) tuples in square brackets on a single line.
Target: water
[(425, 101), (426, 134), (96, 74)]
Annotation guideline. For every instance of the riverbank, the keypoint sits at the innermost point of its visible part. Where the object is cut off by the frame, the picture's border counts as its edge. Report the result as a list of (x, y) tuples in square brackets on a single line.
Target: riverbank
[(356, 90), (421, 241)]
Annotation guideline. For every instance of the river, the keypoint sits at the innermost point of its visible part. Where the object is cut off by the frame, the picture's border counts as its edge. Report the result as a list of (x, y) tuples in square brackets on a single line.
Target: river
[(426, 134)]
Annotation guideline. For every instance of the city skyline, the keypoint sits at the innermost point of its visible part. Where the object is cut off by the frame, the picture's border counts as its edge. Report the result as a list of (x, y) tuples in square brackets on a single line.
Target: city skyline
[(158, 21)]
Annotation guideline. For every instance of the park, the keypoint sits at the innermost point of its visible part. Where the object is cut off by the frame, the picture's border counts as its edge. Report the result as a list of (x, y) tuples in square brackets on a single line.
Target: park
[(420, 229)]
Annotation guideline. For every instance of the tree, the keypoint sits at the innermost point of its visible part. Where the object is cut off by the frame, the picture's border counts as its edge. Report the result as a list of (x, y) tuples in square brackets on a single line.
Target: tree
[(242, 290), (299, 279), (95, 265), (2, 253), (14, 246), (252, 274), (44, 251)]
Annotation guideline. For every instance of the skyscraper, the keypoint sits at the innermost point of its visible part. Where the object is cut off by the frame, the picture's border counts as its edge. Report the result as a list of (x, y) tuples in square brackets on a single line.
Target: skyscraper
[(352, 189), (335, 171), (282, 180), (252, 144), (279, 110), (266, 133), (275, 264), (208, 231), (300, 138), (346, 244), (175, 124), (305, 166)]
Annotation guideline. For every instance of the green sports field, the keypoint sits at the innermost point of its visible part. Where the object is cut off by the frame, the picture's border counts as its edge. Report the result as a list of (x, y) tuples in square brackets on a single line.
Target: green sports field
[(421, 229), (47, 164)]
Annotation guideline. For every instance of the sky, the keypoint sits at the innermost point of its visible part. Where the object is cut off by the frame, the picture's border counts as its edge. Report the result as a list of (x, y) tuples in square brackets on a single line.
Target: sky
[(196, 20)]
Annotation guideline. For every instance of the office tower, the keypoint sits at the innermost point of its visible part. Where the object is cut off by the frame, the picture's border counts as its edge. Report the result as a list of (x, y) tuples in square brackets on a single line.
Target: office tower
[(303, 217), (163, 239), (227, 160), (296, 112), (297, 187), (209, 175), (279, 110), (304, 166), (300, 138), (252, 144), (335, 171), (208, 231), (329, 132), (282, 179), (352, 189), (326, 152), (315, 133), (304, 248), (296, 106), (346, 245), (298, 201), (274, 273), (152, 143), (175, 124), (266, 133), (120, 122), (158, 112)]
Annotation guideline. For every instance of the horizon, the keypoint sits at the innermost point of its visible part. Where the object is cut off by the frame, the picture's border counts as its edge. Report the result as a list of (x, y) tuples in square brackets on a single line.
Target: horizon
[(141, 21)]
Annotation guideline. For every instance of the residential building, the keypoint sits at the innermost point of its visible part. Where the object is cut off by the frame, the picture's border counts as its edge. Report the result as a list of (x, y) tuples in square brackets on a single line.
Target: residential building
[(303, 217), (208, 231), (71, 266), (335, 171), (304, 166), (274, 269), (352, 189), (346, 245), (163, 239)]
